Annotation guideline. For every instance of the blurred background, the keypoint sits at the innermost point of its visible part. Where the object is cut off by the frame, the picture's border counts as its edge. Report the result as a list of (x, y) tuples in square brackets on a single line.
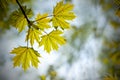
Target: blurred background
[(92, 51)]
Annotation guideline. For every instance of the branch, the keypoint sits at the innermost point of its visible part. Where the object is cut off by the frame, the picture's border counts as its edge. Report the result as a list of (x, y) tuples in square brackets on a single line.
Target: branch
[(23, 12), (26, 19)]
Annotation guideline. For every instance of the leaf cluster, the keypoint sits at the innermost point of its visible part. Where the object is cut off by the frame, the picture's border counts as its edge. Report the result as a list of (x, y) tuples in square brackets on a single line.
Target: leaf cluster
[(37, 31)]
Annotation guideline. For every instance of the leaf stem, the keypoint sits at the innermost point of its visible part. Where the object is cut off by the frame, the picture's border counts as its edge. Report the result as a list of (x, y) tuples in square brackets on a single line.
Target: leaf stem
[(23, 12), (42, 18), (28, 37)]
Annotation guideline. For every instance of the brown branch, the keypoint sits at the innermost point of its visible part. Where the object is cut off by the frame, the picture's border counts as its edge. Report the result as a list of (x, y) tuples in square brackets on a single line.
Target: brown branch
[(29, 24)]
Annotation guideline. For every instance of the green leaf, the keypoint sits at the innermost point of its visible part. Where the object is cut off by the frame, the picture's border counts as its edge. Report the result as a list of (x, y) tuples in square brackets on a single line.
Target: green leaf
[(18, 20)]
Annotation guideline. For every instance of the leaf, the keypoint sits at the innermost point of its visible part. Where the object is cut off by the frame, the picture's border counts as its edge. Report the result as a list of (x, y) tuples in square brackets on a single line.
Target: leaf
[(115, 24), (18, 20), (110, 77), (33, 35), (115, 58), (62, 13), (118, 12), (42, 21), (53, 73), (117, 2), (42, 77), (25, 56), (52, 40)]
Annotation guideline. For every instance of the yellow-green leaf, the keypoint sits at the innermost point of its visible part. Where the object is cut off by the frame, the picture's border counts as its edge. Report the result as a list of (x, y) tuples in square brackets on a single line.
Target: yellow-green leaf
[(118, 12), (25, 56), (115, 58), (62, 13), (110, 77), (53, 73), (18, 20), (117, 2), (115, 24), (52, 40), (42, 21), (42, 77), (33, 35)]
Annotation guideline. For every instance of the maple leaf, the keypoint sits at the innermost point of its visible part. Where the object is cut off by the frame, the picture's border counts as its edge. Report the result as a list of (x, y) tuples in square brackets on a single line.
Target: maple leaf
[(33, 35), (62, 13), (25, 56), (18, 20), (42, 21), (52, 40)]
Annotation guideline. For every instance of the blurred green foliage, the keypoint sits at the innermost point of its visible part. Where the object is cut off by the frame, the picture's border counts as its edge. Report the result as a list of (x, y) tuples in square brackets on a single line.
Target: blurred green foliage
[(110, 56), (51, 74), (81, 34), (110, 77)]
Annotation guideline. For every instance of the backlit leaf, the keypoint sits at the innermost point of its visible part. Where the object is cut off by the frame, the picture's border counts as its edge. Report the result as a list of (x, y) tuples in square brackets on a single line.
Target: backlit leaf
[(52, 40), (33, 35), (42, 21), (18, 20), (25, 56), (62, 13)]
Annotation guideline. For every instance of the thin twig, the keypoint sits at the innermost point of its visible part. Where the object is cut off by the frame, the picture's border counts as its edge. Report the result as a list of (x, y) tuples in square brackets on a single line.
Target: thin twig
[(26, 19), (28, 37)]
